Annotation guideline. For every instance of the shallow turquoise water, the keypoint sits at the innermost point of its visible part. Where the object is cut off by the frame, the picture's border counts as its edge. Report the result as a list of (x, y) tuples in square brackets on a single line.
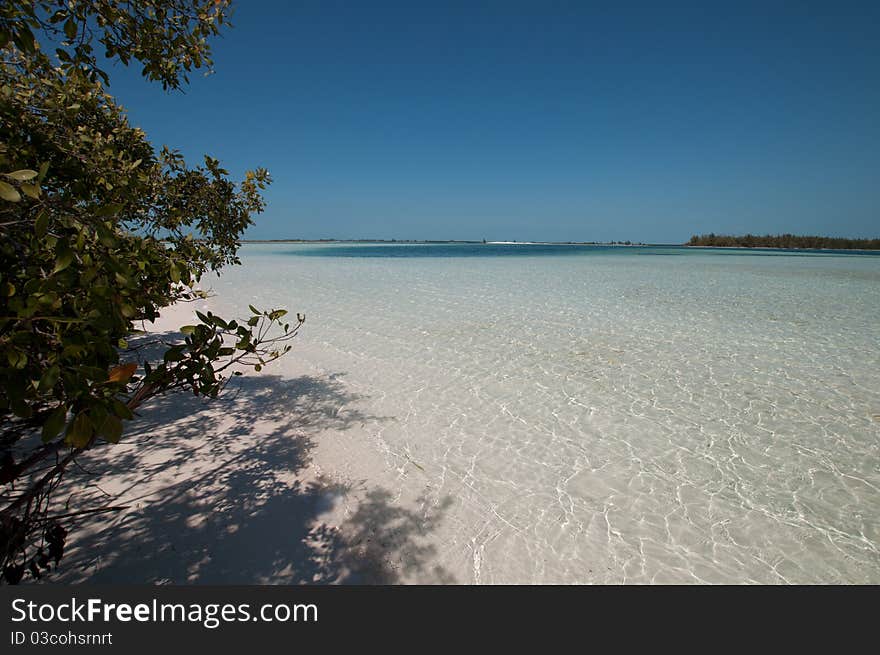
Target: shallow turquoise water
[(418, 250), (606, 414)]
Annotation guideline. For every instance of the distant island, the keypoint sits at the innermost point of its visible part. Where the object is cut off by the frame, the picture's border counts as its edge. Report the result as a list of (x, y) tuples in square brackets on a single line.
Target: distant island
[(782, 241)]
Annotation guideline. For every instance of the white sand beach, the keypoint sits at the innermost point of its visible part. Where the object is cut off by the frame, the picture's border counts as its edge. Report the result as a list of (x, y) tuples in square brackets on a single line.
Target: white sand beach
[(263, 485)]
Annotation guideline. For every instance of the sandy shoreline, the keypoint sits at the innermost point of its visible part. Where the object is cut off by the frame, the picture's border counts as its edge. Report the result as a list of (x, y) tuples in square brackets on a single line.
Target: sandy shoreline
[(262, 486)]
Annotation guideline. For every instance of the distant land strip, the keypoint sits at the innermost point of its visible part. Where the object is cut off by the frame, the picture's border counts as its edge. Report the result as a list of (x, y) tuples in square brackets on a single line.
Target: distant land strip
[(790, 241), (782, 241), (464, 241)]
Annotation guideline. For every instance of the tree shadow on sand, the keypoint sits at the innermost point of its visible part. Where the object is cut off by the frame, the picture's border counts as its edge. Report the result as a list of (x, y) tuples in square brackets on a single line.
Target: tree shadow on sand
[(223, 492)]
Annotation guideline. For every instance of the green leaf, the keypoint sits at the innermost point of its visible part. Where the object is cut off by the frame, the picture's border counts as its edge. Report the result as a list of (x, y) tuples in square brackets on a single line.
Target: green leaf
[(49, 378), (188, 329), (24, 39), (174, 354), (72, 350), (54, 424), (105, 235), (121, 409), (16, 358), (63, 256), (278, 313), (70, 29), (109, 209), (111, 429), (23, 175), (254, 310), (21, 409), (41, 225), (9, 192), (80, 431), (31, 190)]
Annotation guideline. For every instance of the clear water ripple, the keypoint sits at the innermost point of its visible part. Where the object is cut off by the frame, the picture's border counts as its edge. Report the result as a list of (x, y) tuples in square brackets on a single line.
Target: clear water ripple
[(608, 415)]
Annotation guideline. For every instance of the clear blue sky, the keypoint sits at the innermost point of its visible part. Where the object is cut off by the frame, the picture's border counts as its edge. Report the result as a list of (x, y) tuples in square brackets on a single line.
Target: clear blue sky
[(540, 120)]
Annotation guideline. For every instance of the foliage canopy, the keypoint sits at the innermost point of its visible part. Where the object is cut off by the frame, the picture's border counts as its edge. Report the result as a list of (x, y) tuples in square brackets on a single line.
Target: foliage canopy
[(99, 232)]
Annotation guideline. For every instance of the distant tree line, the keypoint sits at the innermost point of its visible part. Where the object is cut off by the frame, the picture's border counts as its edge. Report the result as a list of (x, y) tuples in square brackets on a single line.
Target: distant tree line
[(782, 241)]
